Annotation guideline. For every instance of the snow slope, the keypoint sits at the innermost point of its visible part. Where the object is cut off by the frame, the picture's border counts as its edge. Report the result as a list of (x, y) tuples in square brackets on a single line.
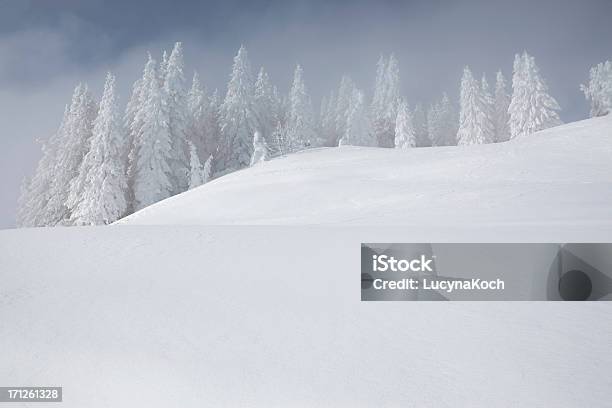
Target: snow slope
[(270, 316), (560, 176), (240, 316)]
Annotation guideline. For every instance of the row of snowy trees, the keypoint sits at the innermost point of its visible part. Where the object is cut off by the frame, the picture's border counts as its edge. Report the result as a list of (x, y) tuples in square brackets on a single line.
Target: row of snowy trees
[(102, 165), (484, 116), (497, 117)]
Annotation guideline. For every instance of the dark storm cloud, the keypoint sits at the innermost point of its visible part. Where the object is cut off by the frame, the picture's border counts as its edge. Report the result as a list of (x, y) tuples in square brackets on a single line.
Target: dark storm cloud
[(46, 47)]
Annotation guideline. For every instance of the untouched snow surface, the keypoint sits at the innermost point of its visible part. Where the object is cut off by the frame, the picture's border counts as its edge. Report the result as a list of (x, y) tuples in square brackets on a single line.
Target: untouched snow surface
[(270, 317), (561, 176)]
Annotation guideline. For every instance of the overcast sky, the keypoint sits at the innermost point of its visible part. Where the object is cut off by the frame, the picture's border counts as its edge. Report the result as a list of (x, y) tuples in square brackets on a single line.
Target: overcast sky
[(47, 47)]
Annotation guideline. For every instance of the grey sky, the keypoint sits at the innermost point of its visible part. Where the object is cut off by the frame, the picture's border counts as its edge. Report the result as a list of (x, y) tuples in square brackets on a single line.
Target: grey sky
[(46, 47)]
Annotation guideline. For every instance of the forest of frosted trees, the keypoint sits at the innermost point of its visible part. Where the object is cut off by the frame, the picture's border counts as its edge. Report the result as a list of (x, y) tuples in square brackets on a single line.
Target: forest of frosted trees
[(105, 162)]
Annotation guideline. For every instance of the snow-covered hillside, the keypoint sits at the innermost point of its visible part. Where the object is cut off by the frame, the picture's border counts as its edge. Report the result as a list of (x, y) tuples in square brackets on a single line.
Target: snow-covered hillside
[(559, 176), (270, 316), (244, 316)]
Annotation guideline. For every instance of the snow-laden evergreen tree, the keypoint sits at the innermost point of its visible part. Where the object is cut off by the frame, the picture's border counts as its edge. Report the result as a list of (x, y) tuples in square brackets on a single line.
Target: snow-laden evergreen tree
[(163, 69), (132, 122), (327, 119), (130, 126), (33, 210), (198, 104), (204, 118), (442, 123), (260, 149), (323, 107), (475, 124), (599, 89), (98, 194), (152, 175), (212, 130), (284, 107), (70, 152), (433, 125), (502, 102), (175, 98), (341, 110), (197, 174), (385, 101), (267, 106), (301, 127), (531, 107), (378, 107), (238, 118), (448, 122), (405, 136), (419, 121), (489, 106), (392, 91), (358, 128), (280, 139)]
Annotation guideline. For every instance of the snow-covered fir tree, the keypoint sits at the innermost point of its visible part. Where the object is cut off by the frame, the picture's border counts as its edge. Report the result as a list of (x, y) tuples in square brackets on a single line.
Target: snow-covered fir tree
[(204, 117), (341, 108), (489, 106), (132, 122), (175, 98), (385, 101), (448, 122), (71, 149), (279, 136), (301, 127), (130, 126), (197, 103), (392, 91), (502, 102), (531, 107), (152, 174), (197, 174), (267, 106), (433, 124), (212, 130), (377, 109), (599, 89), (33, 209), (260, 149), (442, 123), (238, 118), (98, 194), (358, 128), (405, 136), (327, 119), (475, 124), (419, 121), (163, 68)]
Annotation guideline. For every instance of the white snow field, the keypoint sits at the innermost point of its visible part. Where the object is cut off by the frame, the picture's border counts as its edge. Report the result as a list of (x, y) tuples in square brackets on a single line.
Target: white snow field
[(239, 316), (270, 316), (559, 176)]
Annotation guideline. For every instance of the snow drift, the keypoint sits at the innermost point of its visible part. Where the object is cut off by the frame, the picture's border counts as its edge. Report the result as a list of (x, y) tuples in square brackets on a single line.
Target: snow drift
[(559, 176)]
